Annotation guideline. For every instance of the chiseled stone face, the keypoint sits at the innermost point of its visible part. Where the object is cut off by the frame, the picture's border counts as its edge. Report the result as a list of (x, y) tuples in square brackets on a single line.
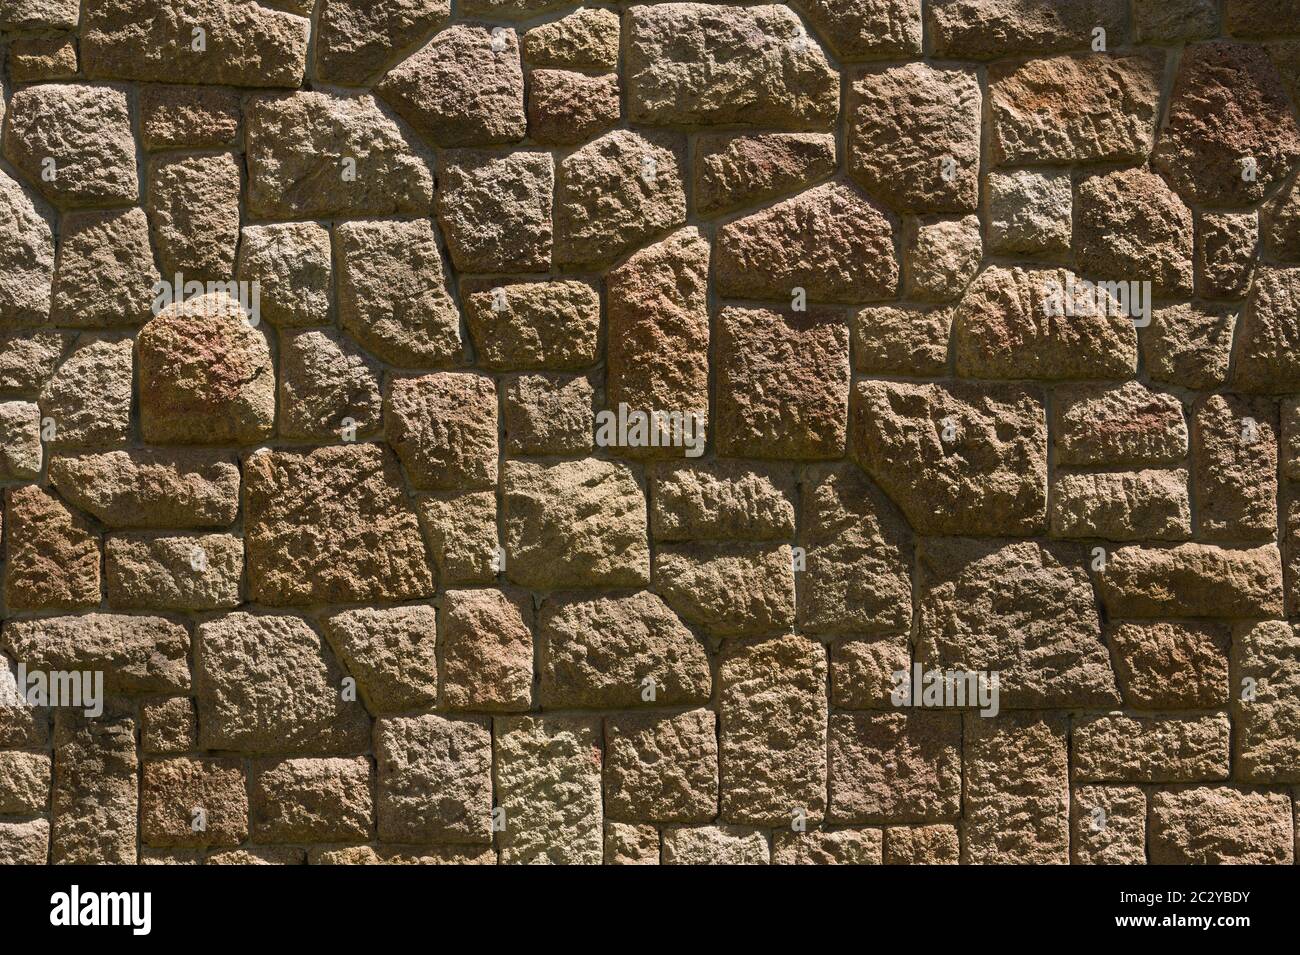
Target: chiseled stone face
[(520, 431)]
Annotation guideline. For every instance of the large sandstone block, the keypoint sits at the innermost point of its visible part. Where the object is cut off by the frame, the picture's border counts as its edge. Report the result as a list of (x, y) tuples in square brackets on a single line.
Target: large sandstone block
[(533, 325), (245, 44), (1217, 825), (390, 651), (85, 131), (831, 241), (206, 375), (1013, 323), (151, 488), (495, 209), (1075, 108), (137, 654), (1171, 665), (607, 652), (271, 684), (575, 524), (1017, 795), (1265, 706), (1122, 506), (1108, 825), (1118, 426), (1202, 156), (486, 639), (827, 847), (444, 429), (331, 525), (714, 845), (435, 779), (193, 803), (1192, 580), (106, 271), (956, 459), (89, 397), (1160, 749), (729, 589), (1265, 361), (26, 257), (662, 768), (772, 711), (895, 767), (858, 552), (615, 193), (1235, 441), (174, 571), (459, 89), (548, 790), (1025, 610), (311, 800), (985, 29), (356, 39), (721, 500), (393, 296), (52, 553), (24, 783), (297, 144), (906, 122), (95, 801), (707, 64), (737, 170), (782, 384)]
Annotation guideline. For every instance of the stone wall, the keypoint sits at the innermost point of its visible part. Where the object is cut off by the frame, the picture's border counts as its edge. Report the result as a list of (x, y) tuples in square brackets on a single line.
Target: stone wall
[(325, 384)]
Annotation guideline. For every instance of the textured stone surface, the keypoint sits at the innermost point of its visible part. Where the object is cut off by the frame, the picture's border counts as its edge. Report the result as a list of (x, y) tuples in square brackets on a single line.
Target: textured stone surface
[(566, 109), (443, 428), (345, 352), (772, 711), (311, 800), (419, 756), (1265, 360), (151, 488), (1117, 426), (662, 769), (990, 478), (1131, 223), (246, 44), (1030, 212), (548, 781), (728, 589), (783, 383), (534, 325), (905, 124), (740, 170), (105, 271), (296, 144), (486, 639), (393, 296), (607, 652), (1074, 108), (1228, 104), (95, 800), (193, 206), (1017, 798), (291, 264), (357, 39), (983, 29), (1118, 748), (1009, 324), (615, 193), (1192, 580), (1146, 653), (1025, 610), (270, 684), (1214, 825), (85, 130), (174, 571), (941, 256), (831, 241), (52, 553), (1108, 825), (459, 90), (1266, 722), (1189, 345), (895, 767), (391, 652), (331, 525), (194, 803), (697, 63), (574, 524), (495, 210), (206, 375), (1122, 506)]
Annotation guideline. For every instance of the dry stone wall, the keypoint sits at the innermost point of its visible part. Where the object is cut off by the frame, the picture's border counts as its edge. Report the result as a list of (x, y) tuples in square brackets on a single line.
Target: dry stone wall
[(509, 431)]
